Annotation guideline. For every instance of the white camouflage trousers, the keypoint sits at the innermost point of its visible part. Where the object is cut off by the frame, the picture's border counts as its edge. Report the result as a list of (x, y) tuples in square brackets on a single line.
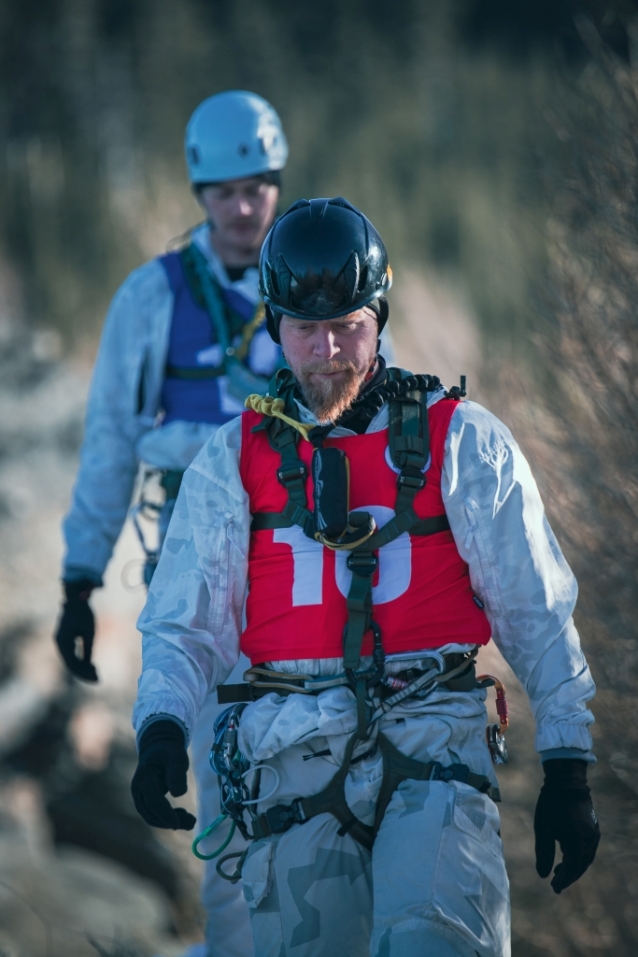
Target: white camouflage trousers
[(435, 882)]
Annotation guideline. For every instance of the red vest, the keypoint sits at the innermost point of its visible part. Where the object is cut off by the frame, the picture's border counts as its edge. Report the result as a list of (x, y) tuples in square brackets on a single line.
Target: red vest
[(422, 597)]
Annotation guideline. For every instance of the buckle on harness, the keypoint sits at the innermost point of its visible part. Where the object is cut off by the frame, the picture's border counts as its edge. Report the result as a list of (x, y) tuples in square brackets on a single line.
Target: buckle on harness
[(291, 471), (364, 564), (455, 772), (281, 817), (416, 481)]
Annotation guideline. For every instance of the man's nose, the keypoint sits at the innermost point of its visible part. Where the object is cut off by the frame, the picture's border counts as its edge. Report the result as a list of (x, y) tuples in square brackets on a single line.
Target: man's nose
[(325, 345), (243, 206)]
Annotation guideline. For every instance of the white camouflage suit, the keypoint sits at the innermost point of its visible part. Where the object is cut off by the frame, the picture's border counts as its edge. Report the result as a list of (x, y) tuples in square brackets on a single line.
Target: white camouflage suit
[(435, 882)]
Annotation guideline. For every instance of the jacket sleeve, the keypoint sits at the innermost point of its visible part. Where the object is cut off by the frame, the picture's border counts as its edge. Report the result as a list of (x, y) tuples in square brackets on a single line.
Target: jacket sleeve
[(192, 620), (122, 406), (518, 570)]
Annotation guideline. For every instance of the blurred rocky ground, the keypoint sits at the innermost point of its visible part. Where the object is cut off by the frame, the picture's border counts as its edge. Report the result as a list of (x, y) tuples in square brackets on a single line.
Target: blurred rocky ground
[(77, 864)]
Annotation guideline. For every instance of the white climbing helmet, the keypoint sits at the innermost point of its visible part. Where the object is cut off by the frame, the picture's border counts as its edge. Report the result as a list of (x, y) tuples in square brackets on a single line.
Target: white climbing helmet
[(232, 135)]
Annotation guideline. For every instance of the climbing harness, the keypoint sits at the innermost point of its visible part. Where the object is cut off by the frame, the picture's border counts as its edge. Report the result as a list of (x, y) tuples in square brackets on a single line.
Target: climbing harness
[(156, 512), (230, 331), (234, 336)]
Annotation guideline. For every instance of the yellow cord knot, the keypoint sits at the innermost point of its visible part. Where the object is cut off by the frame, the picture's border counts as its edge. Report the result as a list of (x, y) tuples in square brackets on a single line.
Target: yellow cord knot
[(266, 405)]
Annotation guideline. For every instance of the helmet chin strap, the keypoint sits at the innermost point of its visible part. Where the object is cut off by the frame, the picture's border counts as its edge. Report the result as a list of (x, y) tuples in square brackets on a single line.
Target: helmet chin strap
[(373, 368)]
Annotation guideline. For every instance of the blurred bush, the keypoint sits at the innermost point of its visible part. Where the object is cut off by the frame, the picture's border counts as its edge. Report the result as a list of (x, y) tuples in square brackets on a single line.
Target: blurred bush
[(430, 116), (593, 354)]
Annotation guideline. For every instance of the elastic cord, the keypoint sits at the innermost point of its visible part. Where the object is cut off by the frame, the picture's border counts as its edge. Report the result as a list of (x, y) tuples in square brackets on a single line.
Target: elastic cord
[(263, 797)]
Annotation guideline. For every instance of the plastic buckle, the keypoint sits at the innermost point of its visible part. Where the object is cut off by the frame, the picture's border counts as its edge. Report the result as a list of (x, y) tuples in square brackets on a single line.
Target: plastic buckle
[(292, 471), (412, 481), (279, 818), (439, 773), (364, 565)]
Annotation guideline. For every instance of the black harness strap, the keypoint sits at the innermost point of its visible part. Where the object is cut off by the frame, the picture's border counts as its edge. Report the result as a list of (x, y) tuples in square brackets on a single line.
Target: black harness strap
[(397, 768), (332, 800), (409, 440), (263, 521)]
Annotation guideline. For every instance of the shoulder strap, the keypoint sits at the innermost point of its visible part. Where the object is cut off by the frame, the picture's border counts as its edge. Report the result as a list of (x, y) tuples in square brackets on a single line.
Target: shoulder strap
[(292, 474), (409, 439), (206, 292)]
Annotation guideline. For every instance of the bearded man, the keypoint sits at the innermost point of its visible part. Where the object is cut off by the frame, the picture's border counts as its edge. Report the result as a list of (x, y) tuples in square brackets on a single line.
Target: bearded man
[(384, 530)]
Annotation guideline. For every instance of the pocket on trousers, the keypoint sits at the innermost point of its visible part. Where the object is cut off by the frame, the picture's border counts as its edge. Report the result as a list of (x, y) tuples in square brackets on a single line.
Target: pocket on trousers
[(256, 873)]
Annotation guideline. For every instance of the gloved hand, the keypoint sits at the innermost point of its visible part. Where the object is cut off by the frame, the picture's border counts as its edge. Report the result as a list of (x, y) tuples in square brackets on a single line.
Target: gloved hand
[(162, 767), (565, 813), (77, 621)]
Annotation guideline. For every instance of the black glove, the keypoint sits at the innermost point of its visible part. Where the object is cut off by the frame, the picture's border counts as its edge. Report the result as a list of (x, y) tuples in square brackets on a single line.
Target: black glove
[(162, 767), (77, 621), (565, 813)]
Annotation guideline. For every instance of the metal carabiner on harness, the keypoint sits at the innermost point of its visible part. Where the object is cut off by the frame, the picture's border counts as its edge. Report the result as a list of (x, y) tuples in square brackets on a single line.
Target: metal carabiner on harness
[(232, 768), (495, 733)]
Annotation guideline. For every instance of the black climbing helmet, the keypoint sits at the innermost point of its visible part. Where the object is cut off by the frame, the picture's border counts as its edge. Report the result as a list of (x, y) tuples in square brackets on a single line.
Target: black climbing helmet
[(323, 259)]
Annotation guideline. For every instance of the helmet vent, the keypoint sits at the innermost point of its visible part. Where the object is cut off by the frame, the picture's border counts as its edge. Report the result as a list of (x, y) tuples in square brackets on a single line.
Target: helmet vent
[(193, 155), (351, 276), (274, 282), (283, 278), (363, 278), (243, 149)]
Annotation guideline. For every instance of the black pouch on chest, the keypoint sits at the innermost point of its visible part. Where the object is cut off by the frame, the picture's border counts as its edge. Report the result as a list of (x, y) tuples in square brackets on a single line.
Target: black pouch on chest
[(331, 480)]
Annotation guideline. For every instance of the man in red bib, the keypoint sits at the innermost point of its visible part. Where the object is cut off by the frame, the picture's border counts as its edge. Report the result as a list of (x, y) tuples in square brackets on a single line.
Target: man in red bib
[(382, 530)]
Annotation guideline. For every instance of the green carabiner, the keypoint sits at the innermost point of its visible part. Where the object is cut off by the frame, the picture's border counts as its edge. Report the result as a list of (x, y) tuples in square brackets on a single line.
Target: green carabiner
[(209, 830)]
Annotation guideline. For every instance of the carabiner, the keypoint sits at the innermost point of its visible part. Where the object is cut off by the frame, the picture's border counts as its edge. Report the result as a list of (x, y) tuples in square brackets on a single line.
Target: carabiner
[(209, 830)]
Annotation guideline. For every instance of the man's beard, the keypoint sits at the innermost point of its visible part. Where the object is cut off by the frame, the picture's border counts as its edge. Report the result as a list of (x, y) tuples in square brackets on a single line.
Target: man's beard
[(325, 398)]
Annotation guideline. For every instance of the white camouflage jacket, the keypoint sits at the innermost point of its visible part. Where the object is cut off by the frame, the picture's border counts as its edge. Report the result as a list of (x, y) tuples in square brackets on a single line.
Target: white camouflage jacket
[(192, 620)]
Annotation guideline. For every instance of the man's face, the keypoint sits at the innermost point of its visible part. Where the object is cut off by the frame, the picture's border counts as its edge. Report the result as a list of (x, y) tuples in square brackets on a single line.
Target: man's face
[(330, 359), (241, 211)]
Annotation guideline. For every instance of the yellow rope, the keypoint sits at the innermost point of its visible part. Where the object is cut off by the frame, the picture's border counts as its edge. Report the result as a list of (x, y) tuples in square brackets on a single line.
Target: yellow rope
[(266, 405), (249, 331)]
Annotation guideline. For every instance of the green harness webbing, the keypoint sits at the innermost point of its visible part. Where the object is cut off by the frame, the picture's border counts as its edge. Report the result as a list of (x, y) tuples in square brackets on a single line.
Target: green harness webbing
[(332, 800)]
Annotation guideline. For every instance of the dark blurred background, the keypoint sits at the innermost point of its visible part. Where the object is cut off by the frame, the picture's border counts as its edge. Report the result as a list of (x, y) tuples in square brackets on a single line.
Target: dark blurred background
[(494, 143)]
